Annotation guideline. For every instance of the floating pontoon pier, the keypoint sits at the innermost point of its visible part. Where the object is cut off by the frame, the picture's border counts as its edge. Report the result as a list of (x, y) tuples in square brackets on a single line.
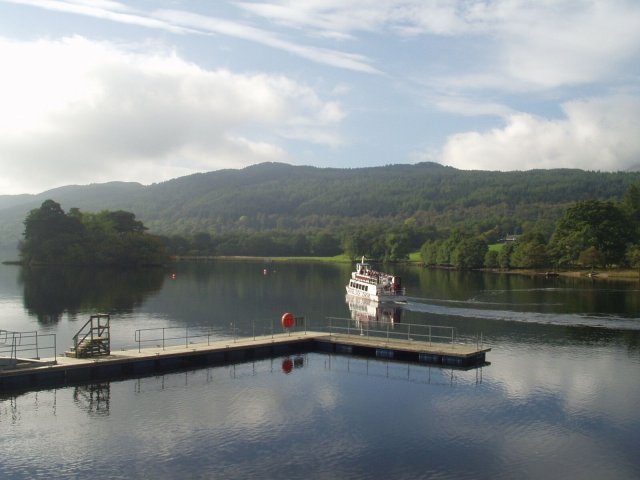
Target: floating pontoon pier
[(201, 349)]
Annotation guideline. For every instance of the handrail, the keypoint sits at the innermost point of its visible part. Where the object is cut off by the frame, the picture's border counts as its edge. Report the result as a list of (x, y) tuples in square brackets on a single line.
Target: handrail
[(398, 331), (96, 332), (12, 343), (162, 337), (165, 336)]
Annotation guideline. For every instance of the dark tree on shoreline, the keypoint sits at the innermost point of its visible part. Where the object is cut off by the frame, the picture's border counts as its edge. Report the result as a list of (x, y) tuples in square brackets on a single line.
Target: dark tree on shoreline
[(52, 237)]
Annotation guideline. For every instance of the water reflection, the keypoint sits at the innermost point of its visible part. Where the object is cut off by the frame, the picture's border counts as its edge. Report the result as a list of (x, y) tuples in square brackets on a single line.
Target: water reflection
[(94, 398), (288, 364), (335, 417), (559, 400), (48, 293), (367, 312)]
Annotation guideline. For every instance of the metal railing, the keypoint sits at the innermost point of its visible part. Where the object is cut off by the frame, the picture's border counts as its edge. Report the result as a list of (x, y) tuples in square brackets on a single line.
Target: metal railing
[(27, 345), (163, 337), (172, 336), (394, 331)]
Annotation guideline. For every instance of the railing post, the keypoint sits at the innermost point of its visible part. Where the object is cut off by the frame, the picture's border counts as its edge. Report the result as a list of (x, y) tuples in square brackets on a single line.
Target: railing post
[(162, 338), (186, 337)]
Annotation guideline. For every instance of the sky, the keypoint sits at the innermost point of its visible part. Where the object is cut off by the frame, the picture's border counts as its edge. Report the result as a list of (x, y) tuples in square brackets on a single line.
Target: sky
[(93, 91)]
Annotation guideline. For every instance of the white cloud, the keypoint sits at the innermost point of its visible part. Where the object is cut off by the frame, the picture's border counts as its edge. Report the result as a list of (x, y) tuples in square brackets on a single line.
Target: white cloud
[(550, 44), (209, 24), (523, 44), (340, 20), (596, 134), (183, 22), (78, 111), (104, 9)]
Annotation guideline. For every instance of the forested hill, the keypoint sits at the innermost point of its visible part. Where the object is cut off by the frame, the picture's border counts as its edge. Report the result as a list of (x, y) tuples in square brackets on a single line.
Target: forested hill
[(300, 198)]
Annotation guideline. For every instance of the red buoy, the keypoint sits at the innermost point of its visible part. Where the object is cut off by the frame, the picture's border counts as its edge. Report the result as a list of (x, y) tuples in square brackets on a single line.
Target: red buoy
[(288, 320)]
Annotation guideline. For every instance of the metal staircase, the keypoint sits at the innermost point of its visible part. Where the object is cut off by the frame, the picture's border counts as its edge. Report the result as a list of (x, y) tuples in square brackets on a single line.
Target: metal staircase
[(93, 339)]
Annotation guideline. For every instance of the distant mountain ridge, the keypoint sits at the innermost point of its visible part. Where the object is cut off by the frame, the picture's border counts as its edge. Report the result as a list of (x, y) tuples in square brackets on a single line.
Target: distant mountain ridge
[(281, 196)]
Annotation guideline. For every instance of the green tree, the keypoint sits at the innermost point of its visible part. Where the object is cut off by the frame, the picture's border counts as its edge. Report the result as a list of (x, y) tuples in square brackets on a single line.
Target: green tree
[(633, 256), (530, 251), (201, 244), (356, 244), (504, 256), (125, 222), (631, 204), (324, 244), (602, 225), (397, 247), (51, 236), (591, 257), (491, 259), (469, 253), (429, 252)]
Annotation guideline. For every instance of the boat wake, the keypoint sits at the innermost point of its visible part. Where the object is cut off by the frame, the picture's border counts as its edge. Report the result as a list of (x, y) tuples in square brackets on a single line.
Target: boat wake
[(614, 322)]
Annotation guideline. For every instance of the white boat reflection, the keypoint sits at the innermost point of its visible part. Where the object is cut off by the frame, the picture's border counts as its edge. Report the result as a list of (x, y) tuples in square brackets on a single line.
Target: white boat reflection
[(366, 312)]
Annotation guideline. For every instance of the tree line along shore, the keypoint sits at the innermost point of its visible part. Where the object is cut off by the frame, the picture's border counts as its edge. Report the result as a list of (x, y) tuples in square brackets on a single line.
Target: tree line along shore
[(591, 234)]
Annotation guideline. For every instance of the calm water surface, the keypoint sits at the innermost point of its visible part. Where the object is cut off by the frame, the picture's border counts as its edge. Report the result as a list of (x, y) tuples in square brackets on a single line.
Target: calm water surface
[(559, 399)]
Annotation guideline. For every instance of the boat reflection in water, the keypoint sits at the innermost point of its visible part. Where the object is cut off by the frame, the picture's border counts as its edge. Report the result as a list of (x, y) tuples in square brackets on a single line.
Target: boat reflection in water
[(370, 314)]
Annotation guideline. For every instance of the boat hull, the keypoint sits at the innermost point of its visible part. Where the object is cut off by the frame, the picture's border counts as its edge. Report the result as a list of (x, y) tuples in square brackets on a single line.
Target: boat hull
[(382, 297)]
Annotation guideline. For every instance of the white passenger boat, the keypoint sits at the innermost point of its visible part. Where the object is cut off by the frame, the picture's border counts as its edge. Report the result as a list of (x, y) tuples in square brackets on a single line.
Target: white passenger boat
[(378, 286)]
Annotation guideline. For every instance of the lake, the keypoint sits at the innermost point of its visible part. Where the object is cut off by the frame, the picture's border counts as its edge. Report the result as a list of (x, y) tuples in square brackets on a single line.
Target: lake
[(559, 398)]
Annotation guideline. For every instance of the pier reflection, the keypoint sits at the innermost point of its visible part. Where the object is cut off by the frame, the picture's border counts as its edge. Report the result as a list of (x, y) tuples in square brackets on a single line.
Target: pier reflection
[(403, 371), (93, 398)]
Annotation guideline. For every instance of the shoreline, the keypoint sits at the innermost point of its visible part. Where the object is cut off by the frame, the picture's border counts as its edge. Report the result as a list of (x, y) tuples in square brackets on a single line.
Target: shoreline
[(622, 274), (614, 274)]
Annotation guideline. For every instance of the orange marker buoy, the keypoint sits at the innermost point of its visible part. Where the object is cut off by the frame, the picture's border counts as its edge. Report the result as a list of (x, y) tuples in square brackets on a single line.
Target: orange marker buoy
[(288, 320)]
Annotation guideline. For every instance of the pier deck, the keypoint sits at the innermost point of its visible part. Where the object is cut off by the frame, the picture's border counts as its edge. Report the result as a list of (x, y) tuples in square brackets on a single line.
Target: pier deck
[(140, 361)]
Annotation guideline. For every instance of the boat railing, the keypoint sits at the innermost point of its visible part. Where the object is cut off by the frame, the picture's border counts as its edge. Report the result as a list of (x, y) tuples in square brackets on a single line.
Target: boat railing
[(21, 347), (427, 334)]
